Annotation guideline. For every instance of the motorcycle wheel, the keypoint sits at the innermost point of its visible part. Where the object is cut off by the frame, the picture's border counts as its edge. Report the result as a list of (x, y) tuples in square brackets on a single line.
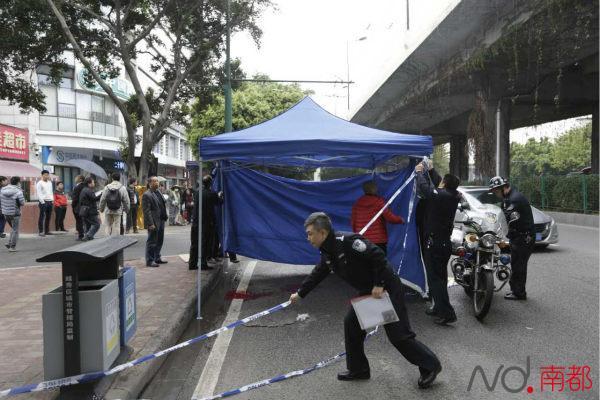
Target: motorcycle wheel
[(482, 299)]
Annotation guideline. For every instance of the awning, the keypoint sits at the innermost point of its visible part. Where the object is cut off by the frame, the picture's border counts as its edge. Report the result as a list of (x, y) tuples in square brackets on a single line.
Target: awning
[(19, 168)]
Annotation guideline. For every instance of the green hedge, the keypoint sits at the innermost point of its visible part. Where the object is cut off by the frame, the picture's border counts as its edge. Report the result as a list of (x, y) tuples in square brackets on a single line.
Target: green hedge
[(577, 193)]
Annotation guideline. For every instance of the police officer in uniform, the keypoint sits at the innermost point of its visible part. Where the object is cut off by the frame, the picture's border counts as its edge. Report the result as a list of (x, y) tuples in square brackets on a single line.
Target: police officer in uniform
[(521, 232), (437, 229), (364, 266)]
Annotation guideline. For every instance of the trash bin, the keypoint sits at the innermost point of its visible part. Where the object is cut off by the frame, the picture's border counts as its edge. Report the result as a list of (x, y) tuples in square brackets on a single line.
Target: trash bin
[(127, 304), (81, 318), (99, 327)]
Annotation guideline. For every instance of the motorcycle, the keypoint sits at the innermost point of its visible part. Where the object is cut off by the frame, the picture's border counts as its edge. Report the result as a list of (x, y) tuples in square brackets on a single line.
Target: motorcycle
[(479, 258)]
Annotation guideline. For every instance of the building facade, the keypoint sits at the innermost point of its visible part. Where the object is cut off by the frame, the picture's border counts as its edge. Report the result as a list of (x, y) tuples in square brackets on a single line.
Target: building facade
[(82, 122)]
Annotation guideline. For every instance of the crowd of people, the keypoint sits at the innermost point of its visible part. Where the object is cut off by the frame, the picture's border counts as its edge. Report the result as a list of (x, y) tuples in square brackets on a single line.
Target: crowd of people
[(118, 203)]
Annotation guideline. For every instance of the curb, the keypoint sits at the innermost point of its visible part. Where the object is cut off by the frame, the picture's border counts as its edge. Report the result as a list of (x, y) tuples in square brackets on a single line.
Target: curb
[(575, 219), (129, 384)]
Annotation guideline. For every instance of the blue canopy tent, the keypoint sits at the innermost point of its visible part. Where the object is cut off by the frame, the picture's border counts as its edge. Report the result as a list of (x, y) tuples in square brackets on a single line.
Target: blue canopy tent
[(264, 214)]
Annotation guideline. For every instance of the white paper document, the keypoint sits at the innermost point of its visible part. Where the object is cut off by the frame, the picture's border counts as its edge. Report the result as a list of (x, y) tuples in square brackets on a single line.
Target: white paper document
[(372, 312)]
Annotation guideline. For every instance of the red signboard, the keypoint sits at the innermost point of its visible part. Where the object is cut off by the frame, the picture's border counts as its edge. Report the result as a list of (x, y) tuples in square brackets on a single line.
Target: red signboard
[(14, 143)]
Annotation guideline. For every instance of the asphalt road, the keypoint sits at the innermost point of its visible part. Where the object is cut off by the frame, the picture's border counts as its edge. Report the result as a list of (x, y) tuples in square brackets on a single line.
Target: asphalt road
[(557, 325), (31, 247)]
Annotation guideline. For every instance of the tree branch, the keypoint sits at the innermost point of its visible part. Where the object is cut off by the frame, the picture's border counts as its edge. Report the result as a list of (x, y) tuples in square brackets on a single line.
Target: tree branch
[(87, 63), (149, 27), (100, 18)]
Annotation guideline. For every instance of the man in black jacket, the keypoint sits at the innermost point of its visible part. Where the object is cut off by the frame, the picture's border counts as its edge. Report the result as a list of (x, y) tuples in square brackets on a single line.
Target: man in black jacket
[(75, 194), (364, 266), (155, 215), (209, 225), (521, 232), (134, 202), (88, 209), (437, 229)]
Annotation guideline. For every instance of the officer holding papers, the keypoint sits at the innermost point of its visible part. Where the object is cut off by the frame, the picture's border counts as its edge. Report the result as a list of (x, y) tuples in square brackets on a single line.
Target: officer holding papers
[(364, 266)]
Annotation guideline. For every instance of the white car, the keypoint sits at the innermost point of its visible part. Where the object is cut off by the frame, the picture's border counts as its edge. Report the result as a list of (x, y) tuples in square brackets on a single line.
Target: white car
[(546, 230)]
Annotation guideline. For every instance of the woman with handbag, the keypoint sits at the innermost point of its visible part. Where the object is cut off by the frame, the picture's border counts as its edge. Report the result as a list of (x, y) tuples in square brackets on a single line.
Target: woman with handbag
[(88, 209)]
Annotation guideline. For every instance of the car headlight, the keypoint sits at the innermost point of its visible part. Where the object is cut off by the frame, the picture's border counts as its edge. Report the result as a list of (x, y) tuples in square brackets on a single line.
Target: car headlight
[(491, 217), (471, 241), (488, 240)]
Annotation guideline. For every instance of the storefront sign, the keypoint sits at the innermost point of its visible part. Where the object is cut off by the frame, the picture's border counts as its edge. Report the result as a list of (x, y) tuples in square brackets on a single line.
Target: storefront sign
[(121, 87), (14, 143), (60, 155)]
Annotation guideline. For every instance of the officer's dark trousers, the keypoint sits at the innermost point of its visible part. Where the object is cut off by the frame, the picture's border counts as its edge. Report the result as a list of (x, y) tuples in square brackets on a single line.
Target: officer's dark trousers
[(520, 250), (436, 256), (399, 333)]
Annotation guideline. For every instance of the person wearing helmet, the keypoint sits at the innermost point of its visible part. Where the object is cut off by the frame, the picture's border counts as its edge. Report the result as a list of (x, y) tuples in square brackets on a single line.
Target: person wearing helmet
[(521, 233)]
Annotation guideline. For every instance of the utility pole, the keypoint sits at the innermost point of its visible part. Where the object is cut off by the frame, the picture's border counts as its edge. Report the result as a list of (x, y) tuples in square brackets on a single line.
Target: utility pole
[(228, 111)]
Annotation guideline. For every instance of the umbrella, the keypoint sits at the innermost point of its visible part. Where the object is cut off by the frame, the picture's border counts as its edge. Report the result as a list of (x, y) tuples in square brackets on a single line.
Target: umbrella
[(89, 166), (161, 179)]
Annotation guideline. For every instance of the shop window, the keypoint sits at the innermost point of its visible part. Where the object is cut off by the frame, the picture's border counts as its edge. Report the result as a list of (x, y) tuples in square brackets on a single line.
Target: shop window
[(66, 110), (48, 123), (98, 128), (67, 124), (84, 126), (84, 105), (50, 99)]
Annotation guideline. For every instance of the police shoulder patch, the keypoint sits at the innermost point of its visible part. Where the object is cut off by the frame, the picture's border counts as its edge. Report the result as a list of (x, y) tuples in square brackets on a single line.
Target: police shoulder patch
[(359, 245)]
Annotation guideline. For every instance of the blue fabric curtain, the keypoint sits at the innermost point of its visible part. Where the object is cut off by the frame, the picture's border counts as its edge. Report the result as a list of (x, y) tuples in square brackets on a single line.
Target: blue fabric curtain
[(264, 216)]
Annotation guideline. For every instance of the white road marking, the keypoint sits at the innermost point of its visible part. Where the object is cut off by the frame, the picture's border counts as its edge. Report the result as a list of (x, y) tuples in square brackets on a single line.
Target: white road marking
[(212, 369)]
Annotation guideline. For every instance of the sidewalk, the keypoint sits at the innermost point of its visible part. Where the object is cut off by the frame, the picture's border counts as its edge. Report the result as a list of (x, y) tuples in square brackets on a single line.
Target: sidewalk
[(166, 298)]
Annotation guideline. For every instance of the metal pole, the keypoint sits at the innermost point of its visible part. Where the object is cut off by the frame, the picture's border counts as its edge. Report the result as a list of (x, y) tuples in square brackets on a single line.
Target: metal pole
[(199, 219), (498, 127), (225, 263), (228, 111), (348, 73)]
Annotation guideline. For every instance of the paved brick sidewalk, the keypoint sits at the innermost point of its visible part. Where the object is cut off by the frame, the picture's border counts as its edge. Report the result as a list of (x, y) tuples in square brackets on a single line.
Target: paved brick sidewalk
[(161, 293)]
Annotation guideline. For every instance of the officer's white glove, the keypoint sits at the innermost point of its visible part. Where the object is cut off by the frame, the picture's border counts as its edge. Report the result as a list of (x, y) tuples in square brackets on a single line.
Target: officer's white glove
[(377, 292), (294, 298)]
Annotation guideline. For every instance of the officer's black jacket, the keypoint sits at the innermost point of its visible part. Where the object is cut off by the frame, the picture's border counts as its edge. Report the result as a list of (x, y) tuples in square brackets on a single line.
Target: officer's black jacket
[(354, 259), (423, 203), (517, 209), (209, 200), (441, 208)]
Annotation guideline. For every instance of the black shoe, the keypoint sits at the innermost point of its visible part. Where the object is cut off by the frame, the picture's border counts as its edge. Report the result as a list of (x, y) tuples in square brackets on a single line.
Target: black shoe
[(152, 265), (161, 261), (431, 311), (206, 267), (2, 235), (49, 233), (445, 320), (513, 296), (354, 376), (235, 261), (426, 379), (7, 246)]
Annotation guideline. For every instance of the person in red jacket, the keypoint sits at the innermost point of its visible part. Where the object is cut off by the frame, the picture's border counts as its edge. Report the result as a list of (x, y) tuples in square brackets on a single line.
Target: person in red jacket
[(60, 207), (365, 209)]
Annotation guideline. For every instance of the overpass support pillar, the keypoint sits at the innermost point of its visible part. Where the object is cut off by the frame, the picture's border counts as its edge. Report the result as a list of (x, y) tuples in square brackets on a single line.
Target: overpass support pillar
[(502, 137), (595, 136), (459, 158)]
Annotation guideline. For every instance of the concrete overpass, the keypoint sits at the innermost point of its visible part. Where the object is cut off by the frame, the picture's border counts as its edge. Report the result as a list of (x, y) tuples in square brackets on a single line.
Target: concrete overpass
[(491, 66)]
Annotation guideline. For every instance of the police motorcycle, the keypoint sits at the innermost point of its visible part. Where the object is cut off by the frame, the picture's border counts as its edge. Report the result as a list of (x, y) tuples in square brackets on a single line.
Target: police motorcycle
[(479, 259)]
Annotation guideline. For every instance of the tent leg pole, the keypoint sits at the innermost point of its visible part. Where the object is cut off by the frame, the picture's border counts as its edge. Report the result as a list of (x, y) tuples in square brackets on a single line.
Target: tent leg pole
[(199, 216), (223, 208)]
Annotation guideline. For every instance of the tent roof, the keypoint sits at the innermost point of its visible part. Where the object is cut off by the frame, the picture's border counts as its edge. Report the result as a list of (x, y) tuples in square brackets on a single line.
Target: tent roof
[(307, 135)]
